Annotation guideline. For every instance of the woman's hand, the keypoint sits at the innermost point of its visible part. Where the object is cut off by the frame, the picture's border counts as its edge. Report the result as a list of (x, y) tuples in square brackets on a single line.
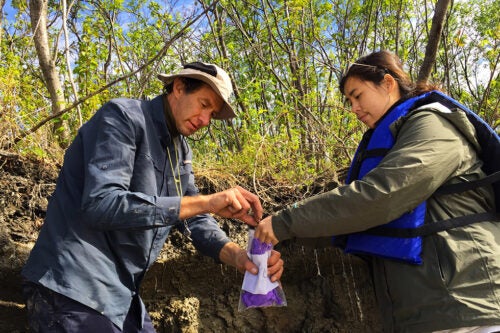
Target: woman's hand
[(264, 231)]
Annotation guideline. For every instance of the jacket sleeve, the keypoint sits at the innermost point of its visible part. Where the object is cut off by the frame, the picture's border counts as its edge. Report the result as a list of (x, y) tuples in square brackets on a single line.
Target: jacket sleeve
[(428, 151), (208, 237), (110, 158)]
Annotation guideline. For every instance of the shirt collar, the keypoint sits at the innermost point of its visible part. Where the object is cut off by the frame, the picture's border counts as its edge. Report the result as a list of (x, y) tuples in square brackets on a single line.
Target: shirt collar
[(169, 118)]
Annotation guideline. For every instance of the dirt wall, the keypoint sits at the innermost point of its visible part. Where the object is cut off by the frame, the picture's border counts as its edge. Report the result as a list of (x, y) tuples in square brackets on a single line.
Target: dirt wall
[(326, 291)]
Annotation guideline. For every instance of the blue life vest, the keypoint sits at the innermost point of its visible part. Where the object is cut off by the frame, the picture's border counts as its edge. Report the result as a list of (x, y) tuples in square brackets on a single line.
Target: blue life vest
[(401, 239)]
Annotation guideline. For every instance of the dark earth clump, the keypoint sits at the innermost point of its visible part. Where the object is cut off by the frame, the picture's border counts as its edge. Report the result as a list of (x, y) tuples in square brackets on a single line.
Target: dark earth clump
[(326, 291)]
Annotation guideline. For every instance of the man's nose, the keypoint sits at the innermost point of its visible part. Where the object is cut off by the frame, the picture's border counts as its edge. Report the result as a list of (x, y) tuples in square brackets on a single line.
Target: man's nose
[(205, 118)]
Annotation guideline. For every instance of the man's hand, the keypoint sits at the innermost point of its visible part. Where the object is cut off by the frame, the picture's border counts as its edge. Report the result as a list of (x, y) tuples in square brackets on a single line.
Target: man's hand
[(236, 203), (264, 231), (235, 256), (275, 266)]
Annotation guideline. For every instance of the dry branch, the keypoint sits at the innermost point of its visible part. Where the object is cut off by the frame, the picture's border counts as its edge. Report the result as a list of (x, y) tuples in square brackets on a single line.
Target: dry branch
[(159, 55)]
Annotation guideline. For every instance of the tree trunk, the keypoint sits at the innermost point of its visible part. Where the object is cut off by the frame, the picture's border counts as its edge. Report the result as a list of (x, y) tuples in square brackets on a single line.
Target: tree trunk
[(434, 38), (2, 3), (38, 15)]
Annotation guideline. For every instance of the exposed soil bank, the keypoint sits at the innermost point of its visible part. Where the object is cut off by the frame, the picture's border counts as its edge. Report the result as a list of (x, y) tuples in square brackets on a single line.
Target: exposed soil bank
[(326, 291)]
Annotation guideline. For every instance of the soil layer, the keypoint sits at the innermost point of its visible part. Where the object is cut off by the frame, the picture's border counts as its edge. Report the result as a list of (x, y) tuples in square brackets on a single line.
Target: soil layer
[(326, 291)]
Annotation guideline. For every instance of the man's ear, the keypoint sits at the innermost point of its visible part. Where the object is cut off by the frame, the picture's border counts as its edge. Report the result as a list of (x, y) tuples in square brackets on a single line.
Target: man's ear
[(178, 86)]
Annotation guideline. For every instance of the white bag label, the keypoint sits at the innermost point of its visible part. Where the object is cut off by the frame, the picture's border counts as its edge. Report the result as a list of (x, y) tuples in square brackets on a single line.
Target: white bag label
[(260, 283)]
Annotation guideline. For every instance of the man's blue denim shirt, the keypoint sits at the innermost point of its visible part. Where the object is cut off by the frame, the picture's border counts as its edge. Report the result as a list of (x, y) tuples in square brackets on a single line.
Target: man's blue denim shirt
[(114, 205)]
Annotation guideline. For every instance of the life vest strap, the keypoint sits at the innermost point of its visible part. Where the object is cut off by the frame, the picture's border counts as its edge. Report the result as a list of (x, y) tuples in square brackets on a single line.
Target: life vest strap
[(431, 228), (462, 187), (376, 152)]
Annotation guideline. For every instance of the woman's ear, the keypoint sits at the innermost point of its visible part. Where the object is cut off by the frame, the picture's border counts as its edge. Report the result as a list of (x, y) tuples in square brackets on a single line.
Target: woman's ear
[(390, 83)]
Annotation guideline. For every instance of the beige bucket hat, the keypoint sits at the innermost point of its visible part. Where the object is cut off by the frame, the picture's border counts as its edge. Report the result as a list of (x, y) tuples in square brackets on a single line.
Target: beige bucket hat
[(212, 75)]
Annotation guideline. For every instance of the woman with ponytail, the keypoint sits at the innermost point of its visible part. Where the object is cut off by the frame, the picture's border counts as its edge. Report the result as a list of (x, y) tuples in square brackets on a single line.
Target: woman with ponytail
[(419, 204)]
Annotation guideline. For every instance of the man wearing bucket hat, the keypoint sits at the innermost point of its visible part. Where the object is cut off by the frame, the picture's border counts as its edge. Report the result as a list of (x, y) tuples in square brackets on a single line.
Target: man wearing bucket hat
[(126, 181)]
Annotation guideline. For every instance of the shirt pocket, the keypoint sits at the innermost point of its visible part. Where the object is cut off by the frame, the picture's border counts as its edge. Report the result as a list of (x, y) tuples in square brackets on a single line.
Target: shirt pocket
[(187, 175), (147, 174)]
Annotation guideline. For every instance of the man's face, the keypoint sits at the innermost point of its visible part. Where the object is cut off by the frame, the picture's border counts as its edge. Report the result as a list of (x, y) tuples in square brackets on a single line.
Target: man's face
[(194, 110)]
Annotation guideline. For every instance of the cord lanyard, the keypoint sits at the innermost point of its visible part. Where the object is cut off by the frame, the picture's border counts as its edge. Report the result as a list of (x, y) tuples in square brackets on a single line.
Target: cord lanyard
[(177, 182)]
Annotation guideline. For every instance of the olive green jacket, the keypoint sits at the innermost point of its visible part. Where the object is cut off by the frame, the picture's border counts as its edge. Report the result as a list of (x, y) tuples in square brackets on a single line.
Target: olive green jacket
[(458, 284)]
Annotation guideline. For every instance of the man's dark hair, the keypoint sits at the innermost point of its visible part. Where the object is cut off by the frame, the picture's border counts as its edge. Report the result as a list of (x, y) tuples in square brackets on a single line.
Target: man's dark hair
[(191, 85)]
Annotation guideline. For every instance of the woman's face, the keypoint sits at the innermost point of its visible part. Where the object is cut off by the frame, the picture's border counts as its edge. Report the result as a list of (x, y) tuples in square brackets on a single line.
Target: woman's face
[(368, 100)]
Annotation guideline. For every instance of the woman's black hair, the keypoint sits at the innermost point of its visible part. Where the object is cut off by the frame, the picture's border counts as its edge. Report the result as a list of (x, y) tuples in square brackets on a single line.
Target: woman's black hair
[(376, 65)]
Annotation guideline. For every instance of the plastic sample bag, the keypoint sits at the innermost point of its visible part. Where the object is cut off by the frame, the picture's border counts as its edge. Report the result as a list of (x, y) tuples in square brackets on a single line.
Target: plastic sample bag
[(258, 290)]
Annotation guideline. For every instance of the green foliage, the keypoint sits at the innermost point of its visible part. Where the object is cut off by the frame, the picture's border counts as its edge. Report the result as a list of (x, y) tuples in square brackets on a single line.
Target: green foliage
[(285, 59)]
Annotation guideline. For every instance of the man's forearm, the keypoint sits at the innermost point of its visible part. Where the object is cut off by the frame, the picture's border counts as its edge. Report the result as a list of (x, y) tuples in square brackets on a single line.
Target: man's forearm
[(192, 206), (233, 255)]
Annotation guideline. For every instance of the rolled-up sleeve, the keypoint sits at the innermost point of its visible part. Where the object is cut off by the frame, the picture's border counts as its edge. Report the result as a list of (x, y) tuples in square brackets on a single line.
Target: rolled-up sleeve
[(208, 237)]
